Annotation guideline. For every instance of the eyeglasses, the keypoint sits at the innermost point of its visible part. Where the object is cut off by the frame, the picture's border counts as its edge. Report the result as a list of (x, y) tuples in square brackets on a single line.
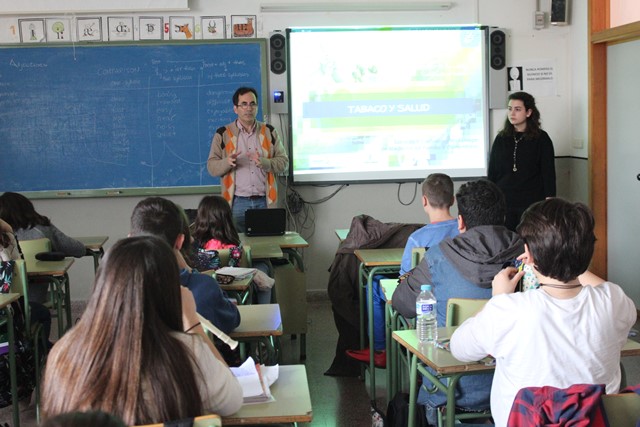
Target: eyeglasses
[(246, 105)]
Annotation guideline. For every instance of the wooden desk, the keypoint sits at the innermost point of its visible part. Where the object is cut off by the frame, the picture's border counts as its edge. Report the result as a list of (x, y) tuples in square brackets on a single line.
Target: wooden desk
[(342, 233), (447, 366), (259, 323), (55, 272), (442, 362), (95, 247), (288, 242), (241, 288), (292, 401), (261, 320), (290, 287), (372, 262), (5, 305)]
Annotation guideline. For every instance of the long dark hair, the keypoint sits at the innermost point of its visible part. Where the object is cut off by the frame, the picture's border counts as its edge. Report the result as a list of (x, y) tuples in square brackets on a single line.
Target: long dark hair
[(533, 121), (18, 212), (214, 220), (121, 357)]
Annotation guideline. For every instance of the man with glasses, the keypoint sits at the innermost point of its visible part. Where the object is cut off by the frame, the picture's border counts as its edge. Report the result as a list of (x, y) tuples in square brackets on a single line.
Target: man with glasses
[(247, 155)]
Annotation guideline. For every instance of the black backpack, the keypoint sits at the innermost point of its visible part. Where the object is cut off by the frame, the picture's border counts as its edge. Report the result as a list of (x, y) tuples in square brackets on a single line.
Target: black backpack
[(398, 412), (25, 355)]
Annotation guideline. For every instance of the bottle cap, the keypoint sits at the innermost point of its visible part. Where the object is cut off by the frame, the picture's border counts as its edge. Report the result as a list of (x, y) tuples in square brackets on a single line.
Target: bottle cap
[(425, 288)]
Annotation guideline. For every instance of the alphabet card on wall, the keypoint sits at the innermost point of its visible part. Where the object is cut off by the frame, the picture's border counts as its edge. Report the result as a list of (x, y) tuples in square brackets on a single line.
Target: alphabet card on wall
[(150, 28), (120, 28), (181, 28), (89, 29), (31, 30), (58, 30), (214, 27), (243, 26)]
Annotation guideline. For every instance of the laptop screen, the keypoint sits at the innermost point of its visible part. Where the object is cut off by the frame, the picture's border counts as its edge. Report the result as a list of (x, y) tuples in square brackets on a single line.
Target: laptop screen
[(265, 222)]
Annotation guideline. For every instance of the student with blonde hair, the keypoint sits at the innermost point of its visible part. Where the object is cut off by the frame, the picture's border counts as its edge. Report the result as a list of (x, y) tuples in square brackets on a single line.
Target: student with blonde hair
[(139, 351)]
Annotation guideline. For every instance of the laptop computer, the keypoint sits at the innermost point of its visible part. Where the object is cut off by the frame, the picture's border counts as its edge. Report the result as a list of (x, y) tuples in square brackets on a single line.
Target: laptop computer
[(265, 222)]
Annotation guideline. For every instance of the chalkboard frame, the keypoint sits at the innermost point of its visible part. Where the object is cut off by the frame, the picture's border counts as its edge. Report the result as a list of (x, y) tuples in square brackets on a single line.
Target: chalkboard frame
[(149, 191)]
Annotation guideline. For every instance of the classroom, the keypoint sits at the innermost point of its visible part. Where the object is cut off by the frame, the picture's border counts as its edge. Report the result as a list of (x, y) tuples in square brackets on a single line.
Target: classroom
[(583, 103)]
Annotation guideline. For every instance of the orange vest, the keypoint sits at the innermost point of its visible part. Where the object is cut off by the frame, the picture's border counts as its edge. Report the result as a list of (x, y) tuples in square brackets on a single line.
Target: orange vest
[(228, 182)]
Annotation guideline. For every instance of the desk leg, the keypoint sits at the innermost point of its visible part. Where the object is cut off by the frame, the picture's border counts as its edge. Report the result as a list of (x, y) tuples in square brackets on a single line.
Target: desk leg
[(296, 256), (413, 390), (12, 367), (387, 341), (372, 366), (361, 296), (61, 291)]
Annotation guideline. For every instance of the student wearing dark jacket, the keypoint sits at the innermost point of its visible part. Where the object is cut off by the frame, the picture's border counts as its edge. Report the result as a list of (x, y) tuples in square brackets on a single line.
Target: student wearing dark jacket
[(162, 218), (463, 267)]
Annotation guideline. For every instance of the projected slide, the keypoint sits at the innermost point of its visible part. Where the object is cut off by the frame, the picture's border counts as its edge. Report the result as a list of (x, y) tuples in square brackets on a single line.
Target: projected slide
[(387, 104)]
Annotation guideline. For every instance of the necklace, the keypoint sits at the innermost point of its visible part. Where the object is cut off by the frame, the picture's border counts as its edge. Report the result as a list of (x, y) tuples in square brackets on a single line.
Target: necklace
[(515, 150), (557, 286)]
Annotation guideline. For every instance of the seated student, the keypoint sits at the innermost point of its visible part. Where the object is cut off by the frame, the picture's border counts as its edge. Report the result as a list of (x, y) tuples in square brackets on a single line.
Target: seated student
[(561, 334), (437, 199), (213, 229), (10, 251), (463, 267), (161, 217), (28, 224), (139, 351)]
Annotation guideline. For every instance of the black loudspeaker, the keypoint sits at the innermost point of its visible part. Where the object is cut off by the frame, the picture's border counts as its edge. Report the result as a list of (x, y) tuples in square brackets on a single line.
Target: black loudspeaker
[(497, 44), (559, 12), (278, 96), (277, 53)]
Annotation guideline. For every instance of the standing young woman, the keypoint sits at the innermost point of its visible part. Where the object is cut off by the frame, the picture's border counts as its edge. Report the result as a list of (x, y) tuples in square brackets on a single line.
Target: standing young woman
[(128, 354), (522, 161)]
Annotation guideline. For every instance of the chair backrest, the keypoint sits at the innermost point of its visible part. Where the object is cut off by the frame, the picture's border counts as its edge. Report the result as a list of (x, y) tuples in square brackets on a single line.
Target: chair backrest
[(31, 247), (460, 309), (416, 255), (19, 285), (245, 261), (388, 287), (202, 421), (622, 410)]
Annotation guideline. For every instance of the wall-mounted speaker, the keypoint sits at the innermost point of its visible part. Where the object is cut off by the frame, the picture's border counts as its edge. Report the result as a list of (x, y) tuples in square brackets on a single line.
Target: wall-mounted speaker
[(497, 47), (559, 12), (278, 96)]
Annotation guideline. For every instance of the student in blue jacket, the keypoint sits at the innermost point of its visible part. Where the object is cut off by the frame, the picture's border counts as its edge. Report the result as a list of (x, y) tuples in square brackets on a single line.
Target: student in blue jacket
[(163, 218)]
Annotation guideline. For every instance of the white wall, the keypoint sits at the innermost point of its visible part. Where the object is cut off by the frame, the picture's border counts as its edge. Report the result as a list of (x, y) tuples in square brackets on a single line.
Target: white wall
[(564, 117)]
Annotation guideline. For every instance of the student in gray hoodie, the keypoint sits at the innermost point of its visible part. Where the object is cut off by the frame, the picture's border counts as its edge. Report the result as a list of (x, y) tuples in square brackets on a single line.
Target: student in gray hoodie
[(463, 267)]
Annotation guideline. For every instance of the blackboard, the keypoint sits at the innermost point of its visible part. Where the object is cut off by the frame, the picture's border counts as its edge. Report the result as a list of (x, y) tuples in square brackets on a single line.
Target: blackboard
[(118, 117)]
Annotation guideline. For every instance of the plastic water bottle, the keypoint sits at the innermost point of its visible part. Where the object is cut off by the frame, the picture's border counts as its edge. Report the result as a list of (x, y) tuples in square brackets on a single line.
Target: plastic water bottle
[(426, 321)]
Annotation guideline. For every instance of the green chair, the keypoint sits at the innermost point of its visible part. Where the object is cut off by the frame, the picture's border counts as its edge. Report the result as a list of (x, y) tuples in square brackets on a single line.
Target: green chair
[(33, 331), (460, 309), (29, 249), (622, 410), (416, 256)]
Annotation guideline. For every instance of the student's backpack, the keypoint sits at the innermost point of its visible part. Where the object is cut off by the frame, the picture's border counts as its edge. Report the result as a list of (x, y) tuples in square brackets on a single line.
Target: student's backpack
[(210, 259), (398, 412), (25, 356)]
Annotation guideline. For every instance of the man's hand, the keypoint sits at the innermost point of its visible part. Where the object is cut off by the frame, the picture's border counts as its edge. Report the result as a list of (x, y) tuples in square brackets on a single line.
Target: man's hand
[(506, 280), (232, 159), (255, 158)]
